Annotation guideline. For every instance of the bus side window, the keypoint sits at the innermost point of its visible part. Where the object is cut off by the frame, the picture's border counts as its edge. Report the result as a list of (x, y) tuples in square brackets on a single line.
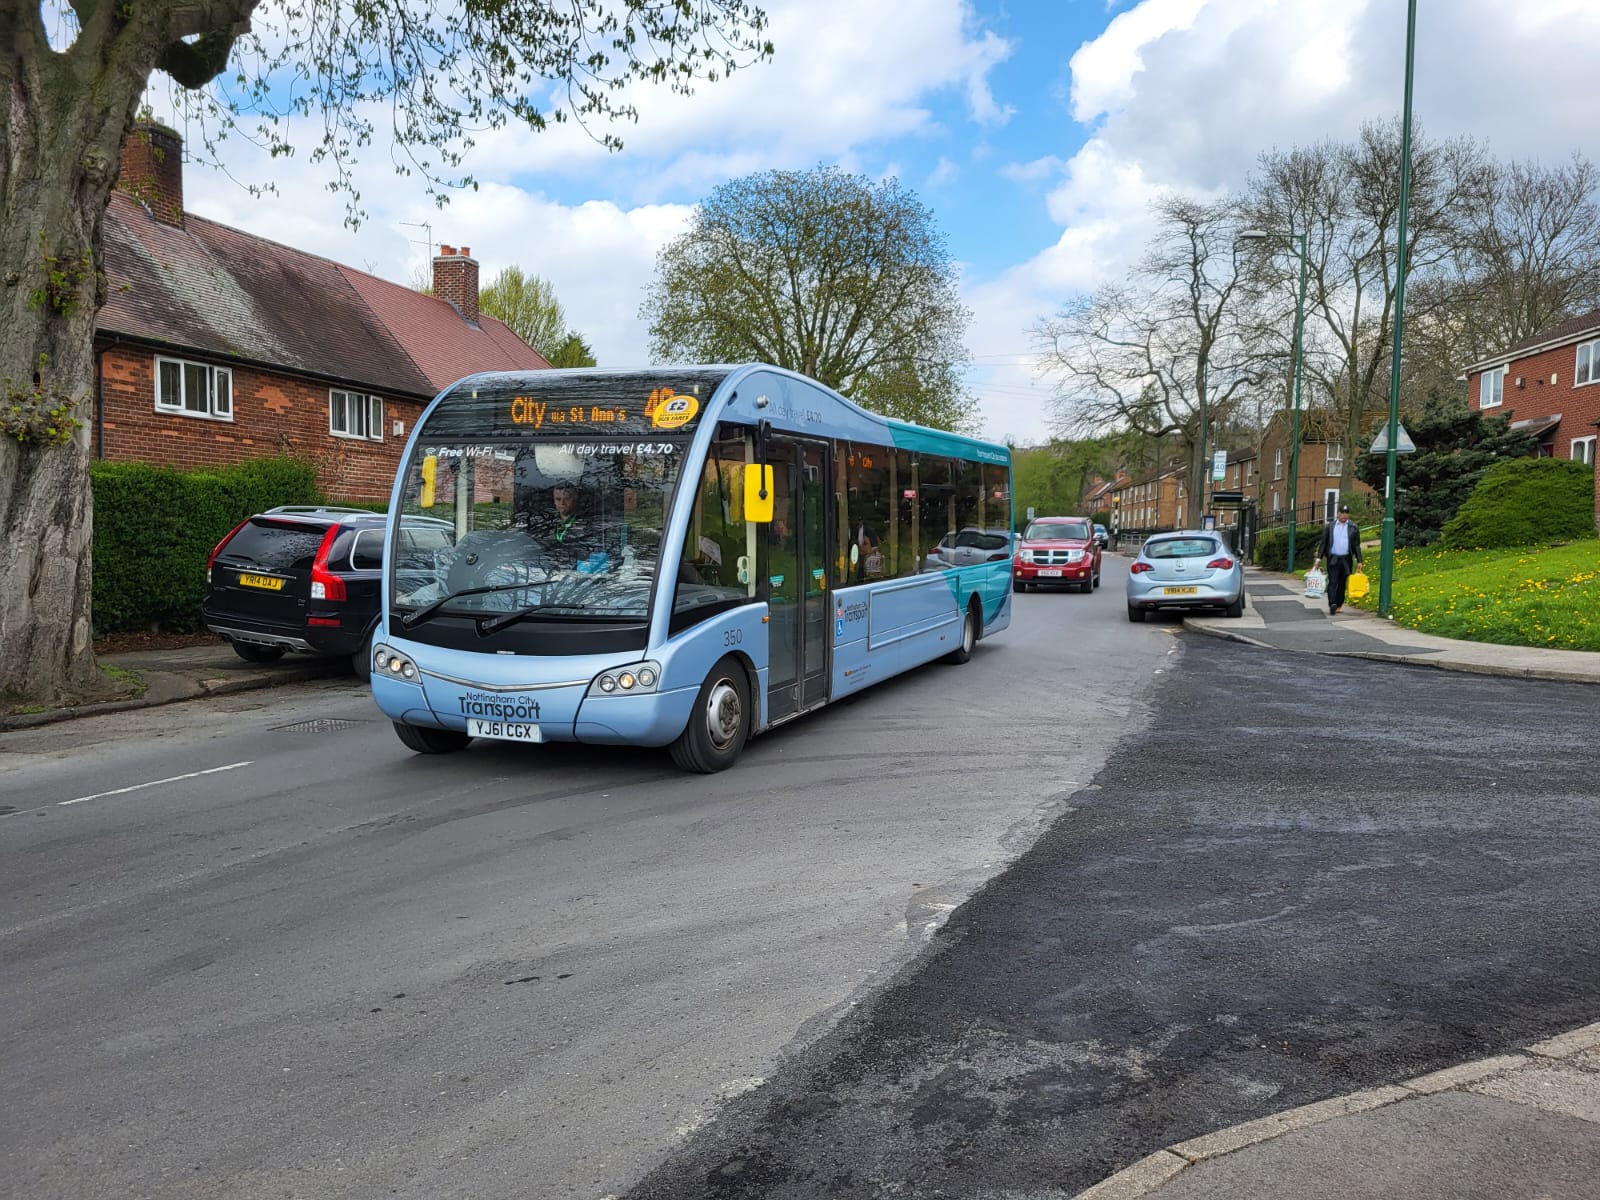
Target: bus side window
[(714, 542)]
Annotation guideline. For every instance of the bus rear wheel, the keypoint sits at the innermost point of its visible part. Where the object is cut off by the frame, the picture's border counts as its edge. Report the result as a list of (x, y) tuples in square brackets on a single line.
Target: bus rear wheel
[(431, 741), (969, 639), (719, 724)]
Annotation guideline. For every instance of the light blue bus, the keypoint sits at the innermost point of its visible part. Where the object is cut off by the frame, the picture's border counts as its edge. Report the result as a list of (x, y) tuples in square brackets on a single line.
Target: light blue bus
[(680, 557)]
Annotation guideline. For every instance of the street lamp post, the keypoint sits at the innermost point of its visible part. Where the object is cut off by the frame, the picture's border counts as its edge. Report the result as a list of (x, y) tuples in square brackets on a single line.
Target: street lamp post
[(1386, 549), (1256, 235)]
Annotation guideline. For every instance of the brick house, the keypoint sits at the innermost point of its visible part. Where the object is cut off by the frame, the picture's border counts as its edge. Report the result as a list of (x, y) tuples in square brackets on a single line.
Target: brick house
[(1322, 461), (215, 346), (1549, 385), (1149, 501)]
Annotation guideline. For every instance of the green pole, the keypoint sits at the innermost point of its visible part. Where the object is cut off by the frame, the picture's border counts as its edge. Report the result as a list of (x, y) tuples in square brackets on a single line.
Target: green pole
[(1299, 370), (1205, 466), (1386, 550)]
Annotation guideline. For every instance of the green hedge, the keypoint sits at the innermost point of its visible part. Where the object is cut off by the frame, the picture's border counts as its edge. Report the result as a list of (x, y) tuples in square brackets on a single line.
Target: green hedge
[(154, 529), (1525, 502), (1272, 547)]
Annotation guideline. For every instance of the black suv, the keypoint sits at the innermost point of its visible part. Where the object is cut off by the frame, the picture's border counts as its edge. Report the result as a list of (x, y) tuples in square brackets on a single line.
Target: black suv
[(306, 579)]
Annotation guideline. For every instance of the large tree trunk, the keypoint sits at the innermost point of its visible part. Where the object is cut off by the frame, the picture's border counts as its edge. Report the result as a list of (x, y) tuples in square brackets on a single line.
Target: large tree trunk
[(58, 161)]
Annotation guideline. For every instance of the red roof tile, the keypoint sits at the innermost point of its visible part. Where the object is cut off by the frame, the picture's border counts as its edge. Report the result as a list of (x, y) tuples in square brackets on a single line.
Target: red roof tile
[(225, 293)]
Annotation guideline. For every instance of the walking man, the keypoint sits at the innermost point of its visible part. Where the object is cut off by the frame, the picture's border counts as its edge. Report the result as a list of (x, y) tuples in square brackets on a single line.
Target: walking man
[(1341, 547)]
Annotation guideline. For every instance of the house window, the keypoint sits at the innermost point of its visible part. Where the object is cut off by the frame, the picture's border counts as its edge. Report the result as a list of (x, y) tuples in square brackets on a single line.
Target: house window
[(1588, 363), (351, 414), (1583, 449), (1235, 474), (1277, 502), (1335, 458), (1277, 463), (1492, 388), (194, 389)]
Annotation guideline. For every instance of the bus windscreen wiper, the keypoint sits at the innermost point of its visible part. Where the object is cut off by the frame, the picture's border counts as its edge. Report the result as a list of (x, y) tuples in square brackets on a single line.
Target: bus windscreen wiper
[(489, 624), (427, 610)]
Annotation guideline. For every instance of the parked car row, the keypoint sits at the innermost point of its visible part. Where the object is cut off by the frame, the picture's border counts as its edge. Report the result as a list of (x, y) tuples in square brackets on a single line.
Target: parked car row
[(1186, 569)]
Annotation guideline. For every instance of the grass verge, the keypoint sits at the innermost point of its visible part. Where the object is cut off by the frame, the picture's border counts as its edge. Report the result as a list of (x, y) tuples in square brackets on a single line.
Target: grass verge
[(1539, 596)]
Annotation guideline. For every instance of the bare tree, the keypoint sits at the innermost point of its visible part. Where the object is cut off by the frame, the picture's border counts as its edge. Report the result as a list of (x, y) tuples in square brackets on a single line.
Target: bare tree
[(1529, 259), (1164, 352), (1347, 200)]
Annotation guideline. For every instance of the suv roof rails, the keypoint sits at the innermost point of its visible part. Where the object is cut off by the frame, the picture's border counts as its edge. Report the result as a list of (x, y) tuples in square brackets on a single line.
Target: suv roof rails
[(321, 508)]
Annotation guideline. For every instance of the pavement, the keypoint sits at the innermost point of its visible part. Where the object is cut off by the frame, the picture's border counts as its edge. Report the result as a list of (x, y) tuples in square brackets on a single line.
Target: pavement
[(1520, 1125)]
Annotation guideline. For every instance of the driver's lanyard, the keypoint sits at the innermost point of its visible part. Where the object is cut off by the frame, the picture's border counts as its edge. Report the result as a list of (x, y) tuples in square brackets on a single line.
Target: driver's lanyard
[(561, 533)]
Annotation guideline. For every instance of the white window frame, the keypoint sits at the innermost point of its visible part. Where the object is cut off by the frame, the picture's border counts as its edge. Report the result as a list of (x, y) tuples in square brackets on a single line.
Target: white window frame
[(1586, 369), (1277, 463), (370, 408), (1277, 502), (218, 401), (1334, 464), (1330, 505), (1492, 388), (1583, 449)]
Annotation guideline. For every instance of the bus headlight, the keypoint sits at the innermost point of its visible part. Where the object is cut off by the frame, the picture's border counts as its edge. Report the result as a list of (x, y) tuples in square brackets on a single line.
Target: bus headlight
[(632, 680), (391, 664)]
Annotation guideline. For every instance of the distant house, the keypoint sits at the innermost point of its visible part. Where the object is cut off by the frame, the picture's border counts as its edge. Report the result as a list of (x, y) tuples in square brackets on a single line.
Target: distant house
[(1321, 465), (216, 346), (1549, 385)]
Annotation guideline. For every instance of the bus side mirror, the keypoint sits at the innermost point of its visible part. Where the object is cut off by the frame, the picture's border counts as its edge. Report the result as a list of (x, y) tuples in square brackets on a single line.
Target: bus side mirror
[(757, 493)]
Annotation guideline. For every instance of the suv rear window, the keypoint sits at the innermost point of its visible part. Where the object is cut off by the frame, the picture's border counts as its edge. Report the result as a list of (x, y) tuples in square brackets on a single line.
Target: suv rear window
[(275, 545), (1181, 548)]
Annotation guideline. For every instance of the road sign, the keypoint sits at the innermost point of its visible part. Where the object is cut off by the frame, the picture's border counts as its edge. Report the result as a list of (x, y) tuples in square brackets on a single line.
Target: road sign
[(1219, 466), (1030, 512), (1402, 442)]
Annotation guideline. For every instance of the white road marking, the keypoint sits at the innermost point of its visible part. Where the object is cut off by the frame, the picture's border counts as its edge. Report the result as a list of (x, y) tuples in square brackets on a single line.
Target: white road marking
[(154, 783)]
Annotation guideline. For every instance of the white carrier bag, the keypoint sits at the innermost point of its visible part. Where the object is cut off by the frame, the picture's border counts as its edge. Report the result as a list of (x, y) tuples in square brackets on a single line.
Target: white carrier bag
[(1316, 584)]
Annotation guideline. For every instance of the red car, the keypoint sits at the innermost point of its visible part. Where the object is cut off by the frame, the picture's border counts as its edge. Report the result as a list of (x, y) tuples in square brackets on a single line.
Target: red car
[(1057, 550)]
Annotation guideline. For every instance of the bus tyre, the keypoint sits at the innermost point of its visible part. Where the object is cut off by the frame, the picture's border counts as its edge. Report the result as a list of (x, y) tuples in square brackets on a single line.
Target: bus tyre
[(969, 639), (719, 723), (431, 741)]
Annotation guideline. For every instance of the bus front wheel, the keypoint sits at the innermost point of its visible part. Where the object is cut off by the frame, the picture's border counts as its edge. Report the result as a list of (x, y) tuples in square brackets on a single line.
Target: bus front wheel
[(431, 741), (719, 725)]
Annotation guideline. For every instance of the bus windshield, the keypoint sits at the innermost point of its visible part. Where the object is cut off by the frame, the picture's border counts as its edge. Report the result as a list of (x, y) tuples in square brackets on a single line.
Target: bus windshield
[(549, 528)]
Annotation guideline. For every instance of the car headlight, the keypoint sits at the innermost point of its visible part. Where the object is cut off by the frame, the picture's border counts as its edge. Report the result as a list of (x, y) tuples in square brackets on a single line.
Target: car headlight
[(1027, 556), (391, 664), (633, 680)]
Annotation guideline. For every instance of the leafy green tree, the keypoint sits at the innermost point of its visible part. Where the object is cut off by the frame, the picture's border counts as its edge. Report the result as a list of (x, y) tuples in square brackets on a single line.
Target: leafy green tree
[(1053, 478), (528, 304), (571, 351), (826, 273), (1455, 446), (1525, 502), (931, 395), (73, 76)]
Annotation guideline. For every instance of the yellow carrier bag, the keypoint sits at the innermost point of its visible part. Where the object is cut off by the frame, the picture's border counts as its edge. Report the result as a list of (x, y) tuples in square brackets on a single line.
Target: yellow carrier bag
[(1358, 586)]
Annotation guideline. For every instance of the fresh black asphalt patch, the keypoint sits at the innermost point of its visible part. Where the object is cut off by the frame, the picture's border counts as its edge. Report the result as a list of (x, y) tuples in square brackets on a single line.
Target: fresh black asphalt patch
[(1308, 875)]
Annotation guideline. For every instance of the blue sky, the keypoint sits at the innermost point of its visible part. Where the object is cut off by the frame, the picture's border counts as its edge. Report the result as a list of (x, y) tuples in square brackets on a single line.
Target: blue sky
[(1037, 131)]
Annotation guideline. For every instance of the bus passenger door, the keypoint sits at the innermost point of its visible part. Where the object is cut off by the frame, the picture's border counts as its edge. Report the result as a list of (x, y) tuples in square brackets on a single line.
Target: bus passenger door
[(797, 578)]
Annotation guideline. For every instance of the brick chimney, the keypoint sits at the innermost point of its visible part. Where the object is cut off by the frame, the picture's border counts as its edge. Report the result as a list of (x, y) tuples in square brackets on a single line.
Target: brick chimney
[(151, 170), (455, 278)]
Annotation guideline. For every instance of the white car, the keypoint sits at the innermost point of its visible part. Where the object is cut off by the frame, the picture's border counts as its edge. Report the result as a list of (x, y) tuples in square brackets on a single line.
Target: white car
[(1185, 570)]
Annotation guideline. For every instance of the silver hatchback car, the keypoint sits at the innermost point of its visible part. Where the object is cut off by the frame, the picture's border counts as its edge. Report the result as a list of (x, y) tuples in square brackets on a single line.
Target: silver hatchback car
[(1188, 569)]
